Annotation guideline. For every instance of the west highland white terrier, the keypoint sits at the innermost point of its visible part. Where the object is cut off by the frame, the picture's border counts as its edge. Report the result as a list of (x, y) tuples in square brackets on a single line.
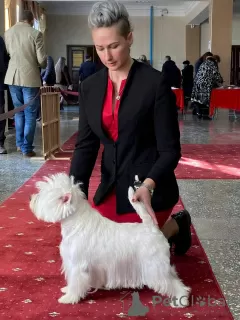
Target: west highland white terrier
[(97, 252)]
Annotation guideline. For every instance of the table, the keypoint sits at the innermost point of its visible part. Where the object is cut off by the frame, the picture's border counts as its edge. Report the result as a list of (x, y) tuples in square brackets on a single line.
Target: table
[(225, 99)]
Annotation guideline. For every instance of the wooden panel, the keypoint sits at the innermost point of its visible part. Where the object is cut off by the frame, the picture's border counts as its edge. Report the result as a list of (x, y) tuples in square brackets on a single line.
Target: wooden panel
[(50, 111)]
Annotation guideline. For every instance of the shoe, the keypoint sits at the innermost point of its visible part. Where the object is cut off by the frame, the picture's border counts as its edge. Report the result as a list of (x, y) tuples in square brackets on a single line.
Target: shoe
[(3, 150), (29, 154), (182, 240), (199, 115)]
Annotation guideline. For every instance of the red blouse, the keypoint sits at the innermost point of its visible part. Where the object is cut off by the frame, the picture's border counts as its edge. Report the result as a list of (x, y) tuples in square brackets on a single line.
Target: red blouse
[(110, 118)]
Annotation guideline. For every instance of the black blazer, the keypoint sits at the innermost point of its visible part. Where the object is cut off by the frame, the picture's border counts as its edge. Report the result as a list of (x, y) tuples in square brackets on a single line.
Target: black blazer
[(148, 142)]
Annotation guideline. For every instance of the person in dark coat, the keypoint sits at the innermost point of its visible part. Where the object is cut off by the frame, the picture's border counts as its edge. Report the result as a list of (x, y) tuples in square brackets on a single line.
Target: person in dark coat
[(187, 79), (4, 58), (171, 72), (48, 75), (87, 68)]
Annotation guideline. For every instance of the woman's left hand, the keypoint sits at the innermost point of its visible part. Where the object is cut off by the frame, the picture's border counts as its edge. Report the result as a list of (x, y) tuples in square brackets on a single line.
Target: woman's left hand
[(142, 194)]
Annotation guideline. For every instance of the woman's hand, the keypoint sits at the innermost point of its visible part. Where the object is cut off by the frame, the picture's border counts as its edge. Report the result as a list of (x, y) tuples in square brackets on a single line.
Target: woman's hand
[(142, 194)]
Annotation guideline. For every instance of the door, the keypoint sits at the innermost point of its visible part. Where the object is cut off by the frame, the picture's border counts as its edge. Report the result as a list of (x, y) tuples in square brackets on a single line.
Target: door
[(235, 66)]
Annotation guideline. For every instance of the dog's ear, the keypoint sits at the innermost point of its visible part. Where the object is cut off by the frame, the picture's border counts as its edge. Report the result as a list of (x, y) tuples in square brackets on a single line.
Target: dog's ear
[(66, 198)]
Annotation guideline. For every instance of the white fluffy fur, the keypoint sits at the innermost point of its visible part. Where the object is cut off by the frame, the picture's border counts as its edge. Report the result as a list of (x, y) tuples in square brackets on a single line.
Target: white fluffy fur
[(97, 252)]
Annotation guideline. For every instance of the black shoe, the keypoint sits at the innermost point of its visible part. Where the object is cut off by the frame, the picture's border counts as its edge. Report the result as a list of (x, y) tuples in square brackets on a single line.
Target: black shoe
[(199, 115), (183, 240), (3, 150)]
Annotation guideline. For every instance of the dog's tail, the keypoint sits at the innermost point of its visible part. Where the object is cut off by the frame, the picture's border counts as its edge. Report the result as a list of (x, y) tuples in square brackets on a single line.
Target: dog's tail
[(140, 208)]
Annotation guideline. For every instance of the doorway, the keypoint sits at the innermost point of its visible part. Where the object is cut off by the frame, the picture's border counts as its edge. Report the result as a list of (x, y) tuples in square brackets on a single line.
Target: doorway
[(235, 66), (76, 56)]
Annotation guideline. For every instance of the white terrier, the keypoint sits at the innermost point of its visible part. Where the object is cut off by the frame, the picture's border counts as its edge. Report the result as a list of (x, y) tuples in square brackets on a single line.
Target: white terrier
[(97, 252)]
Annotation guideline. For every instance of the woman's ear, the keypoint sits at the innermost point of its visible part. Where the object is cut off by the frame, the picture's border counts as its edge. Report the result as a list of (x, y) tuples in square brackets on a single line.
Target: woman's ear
[(130, 38)]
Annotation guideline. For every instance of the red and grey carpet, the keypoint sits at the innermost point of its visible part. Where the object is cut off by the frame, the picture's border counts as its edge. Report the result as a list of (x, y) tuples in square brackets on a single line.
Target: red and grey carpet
[(30, 278), (199, 161)]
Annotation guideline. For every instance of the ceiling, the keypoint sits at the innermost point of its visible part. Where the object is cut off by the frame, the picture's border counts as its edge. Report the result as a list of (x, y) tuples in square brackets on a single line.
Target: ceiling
[(137, 7)]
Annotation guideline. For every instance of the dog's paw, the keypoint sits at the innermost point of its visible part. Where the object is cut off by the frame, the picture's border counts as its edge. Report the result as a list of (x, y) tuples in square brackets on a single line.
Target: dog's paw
[(68, 299), (64, 289), (183, 302)]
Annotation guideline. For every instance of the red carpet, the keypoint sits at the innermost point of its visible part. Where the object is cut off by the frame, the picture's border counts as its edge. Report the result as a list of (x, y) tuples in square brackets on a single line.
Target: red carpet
[(31, 280), (70, 143), (200, 161)]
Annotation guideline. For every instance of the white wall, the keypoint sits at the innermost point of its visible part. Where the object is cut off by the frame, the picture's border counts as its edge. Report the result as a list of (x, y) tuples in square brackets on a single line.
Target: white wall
[(236, 30), (169, 36), (169, 39), (205, 30), (204, 37)]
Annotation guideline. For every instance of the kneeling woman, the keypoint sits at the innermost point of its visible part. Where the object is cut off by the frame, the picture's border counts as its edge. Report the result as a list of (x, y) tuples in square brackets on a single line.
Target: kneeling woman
[(130, 109)]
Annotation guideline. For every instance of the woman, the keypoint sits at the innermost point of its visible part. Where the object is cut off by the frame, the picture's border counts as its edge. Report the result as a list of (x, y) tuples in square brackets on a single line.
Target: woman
[(208, 77), (136, 121), (201, 60), (63, 80)]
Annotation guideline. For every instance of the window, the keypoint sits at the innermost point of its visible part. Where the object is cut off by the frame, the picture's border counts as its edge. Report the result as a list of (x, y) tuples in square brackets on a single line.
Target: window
[(17, 13), (6, 19)]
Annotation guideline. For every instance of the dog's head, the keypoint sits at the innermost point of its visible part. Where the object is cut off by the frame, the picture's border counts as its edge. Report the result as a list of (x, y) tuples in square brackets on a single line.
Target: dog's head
[(58, 197)]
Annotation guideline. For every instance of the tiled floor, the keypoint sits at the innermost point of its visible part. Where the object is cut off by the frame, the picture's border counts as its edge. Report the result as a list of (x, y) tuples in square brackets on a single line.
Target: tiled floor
[(213, 204)]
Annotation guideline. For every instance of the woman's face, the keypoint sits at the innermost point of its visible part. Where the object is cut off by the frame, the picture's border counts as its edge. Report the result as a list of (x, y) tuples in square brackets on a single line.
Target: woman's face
[(112, 48)]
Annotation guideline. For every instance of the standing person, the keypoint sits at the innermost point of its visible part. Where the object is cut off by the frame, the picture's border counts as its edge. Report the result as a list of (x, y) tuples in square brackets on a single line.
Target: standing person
[(49, 75), (137, 123), (172, 72), (3, 68), (143, 59), (201, 60), (87, 68), (207, 78), (187, 79), (63, 79), (27, 55)]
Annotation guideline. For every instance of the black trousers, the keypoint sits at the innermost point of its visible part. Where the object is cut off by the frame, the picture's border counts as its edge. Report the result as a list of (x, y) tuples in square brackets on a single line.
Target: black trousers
[(3, 122)]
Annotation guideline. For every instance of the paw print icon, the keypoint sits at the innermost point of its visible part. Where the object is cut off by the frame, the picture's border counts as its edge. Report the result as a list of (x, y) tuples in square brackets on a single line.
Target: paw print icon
[(201, 301)]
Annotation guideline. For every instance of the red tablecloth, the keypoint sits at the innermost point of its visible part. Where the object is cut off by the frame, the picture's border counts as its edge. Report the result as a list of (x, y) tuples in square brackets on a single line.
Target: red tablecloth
[(225, 99), (180, 98)]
